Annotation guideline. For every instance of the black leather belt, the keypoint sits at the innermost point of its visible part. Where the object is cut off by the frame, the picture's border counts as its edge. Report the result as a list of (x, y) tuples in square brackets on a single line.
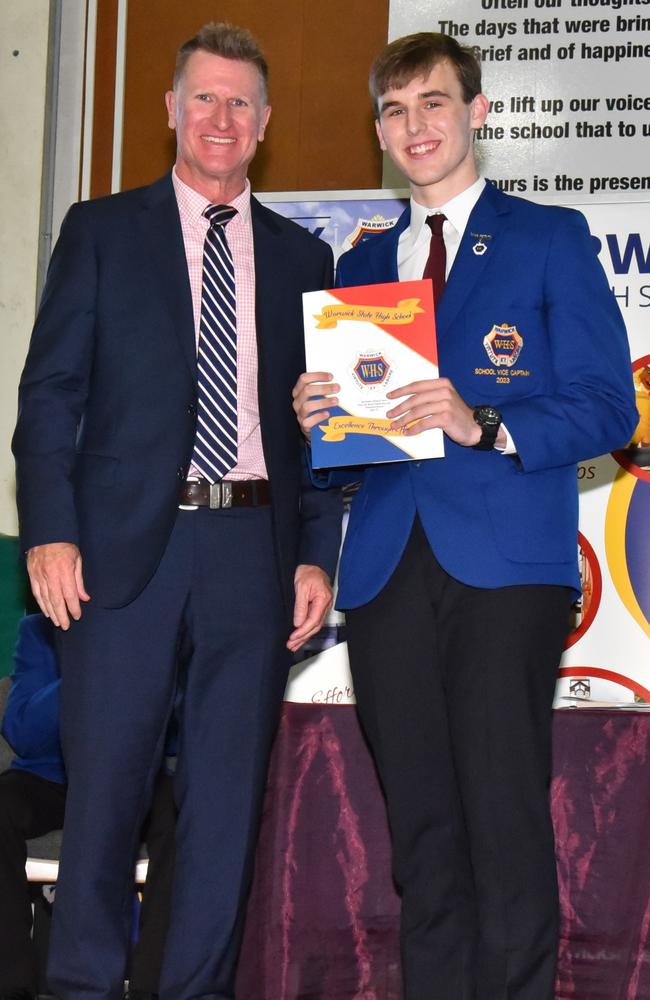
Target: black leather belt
[(227, 493)]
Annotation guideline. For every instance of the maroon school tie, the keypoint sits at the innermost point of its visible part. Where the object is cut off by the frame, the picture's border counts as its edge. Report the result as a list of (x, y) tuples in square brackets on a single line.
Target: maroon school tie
[(437, 260)]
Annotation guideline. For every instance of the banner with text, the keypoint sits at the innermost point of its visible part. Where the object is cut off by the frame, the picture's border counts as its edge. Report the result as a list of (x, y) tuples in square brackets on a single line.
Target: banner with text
[(568, 85)]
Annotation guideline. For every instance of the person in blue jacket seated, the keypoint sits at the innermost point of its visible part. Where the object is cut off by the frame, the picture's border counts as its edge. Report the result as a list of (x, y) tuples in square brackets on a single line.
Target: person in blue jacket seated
[(457, 573), (32, 804)]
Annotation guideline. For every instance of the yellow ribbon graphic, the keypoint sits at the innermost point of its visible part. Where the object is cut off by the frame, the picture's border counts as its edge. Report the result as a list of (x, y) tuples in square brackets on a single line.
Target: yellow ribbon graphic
[(337, 427), (400, 315)]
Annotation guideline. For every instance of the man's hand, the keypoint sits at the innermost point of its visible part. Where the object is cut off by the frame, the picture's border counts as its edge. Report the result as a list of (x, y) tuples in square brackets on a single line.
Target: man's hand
[(313, 601), (435, 403), (312, 393), (57, 581)]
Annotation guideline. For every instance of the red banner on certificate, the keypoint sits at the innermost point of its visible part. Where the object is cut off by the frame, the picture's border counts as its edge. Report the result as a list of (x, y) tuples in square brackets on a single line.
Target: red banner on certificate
[(373, 338)]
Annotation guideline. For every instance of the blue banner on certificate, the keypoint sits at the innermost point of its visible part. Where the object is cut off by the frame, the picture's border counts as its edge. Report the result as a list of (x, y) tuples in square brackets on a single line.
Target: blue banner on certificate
[(373, 338)]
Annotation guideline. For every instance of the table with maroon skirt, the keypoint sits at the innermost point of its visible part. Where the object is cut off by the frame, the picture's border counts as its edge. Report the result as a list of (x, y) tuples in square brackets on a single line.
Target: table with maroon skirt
[(323, 915)]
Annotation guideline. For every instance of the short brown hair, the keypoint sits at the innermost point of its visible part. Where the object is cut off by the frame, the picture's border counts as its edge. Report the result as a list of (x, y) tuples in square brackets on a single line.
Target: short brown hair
[(228, 41), (415, 55)]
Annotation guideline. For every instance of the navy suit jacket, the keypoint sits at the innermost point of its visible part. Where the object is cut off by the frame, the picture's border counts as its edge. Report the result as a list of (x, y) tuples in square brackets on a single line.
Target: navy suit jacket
[(107, 401), (495, 520)]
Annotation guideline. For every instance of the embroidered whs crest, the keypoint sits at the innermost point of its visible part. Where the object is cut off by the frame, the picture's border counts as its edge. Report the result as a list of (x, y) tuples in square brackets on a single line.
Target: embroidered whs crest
[(503, 345), (371, 369)]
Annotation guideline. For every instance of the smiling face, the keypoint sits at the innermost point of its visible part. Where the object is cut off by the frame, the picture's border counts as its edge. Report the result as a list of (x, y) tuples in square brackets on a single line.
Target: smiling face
[(427, 129), (219, 114)]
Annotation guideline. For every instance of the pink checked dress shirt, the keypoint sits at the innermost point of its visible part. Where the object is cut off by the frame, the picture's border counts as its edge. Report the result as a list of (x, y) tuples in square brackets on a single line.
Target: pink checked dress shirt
[(239, 232)]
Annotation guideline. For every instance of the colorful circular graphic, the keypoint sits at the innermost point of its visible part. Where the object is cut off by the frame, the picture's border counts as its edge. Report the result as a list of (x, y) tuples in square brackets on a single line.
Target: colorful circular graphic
[(636, 457), (626, 535), (584, 610), (608, 675)]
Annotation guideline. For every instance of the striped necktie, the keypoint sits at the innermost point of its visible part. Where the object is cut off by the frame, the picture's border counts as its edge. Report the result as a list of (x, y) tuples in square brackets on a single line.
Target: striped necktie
[(215, 447)]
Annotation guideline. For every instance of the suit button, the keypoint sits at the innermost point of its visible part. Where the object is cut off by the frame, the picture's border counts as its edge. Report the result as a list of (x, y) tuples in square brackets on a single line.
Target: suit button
[(180, 472), (191, 409)]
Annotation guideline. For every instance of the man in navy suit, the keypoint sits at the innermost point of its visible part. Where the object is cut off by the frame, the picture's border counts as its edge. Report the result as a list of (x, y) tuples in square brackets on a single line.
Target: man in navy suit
[(108, 444), (458, 573)]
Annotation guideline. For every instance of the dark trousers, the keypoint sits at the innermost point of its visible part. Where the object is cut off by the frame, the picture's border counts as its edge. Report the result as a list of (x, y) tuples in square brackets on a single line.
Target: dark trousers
[(30, 807), (454, 688), (217, 592), (159, 835)]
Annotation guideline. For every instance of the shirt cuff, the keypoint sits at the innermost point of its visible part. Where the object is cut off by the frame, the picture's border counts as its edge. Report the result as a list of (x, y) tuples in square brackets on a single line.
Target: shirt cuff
[(510, 447)]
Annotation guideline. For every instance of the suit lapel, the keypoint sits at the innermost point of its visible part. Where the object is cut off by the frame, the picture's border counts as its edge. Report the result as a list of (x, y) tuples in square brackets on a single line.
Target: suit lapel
[(487, 219), (267, 274), (161, 227)]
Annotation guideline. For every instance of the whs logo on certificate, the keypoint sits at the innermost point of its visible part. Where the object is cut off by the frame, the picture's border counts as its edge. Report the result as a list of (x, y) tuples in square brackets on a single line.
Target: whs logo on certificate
[(373, 338)]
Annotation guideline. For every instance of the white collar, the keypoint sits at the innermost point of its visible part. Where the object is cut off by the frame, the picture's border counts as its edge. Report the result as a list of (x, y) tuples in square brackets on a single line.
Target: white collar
[(457, 210)]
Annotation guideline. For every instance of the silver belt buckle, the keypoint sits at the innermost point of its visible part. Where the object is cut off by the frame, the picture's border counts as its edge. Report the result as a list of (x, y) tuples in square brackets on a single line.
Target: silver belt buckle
[(220, 495), (189, 506)]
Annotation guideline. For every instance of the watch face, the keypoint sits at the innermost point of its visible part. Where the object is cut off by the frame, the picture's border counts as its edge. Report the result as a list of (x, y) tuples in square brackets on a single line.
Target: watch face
[(486, 415)]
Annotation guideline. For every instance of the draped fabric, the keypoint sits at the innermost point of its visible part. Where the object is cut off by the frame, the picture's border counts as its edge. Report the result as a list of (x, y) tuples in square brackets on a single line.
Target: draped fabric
[(600, 800), (323, 915)]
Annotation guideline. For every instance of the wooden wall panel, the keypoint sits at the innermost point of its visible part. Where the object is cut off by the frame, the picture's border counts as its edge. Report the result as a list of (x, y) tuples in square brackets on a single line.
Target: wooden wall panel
[(104, 98), (320, 135), (337, 137)]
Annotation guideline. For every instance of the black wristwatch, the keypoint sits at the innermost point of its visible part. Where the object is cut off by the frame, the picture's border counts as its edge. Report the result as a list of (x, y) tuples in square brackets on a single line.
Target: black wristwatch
[(489, 420)]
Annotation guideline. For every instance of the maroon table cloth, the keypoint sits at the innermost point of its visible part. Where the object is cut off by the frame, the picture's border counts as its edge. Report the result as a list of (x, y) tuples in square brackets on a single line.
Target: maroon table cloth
[(600, 799), (322, 920)]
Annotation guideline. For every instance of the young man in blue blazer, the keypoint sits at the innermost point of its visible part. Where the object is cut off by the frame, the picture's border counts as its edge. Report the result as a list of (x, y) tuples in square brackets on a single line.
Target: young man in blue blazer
[(458, 573)]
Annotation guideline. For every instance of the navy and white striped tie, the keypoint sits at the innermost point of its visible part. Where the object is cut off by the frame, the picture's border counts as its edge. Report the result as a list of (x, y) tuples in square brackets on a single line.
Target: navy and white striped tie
[(215, 447)]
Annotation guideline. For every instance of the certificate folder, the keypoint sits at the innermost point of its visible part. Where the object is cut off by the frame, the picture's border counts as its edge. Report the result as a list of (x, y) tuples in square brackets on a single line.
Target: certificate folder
[(373, 338)]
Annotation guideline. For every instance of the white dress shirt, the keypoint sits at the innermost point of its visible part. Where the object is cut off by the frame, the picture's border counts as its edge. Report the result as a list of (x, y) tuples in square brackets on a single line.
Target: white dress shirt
[(413, 247)]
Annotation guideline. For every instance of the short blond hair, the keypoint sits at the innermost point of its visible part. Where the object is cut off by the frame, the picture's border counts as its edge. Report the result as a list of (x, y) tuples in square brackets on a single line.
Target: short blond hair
[(226, 40)]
